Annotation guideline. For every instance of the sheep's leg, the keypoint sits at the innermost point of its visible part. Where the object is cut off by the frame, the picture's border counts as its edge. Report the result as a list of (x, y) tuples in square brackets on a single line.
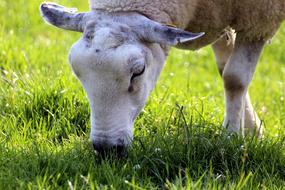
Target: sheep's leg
[(237, 76), (253, 124), (223, 50)]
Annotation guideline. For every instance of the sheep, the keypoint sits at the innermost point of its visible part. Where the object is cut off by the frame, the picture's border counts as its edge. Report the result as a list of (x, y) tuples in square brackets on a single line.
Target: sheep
[(253, 20), (126, 42)]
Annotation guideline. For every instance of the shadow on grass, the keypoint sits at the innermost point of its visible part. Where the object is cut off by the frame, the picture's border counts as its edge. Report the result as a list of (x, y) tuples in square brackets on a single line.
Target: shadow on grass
[(175, 152), (205, 155)]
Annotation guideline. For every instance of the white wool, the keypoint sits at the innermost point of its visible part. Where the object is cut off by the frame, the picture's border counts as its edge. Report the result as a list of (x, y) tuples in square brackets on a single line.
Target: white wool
[(255, 19)]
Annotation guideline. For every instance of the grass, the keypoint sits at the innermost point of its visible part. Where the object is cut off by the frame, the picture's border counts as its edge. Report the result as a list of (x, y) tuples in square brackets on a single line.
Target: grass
[(179, 142)]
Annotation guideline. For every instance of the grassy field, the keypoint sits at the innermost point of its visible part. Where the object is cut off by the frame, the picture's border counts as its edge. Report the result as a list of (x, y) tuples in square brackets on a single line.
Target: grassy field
[(179, 142)]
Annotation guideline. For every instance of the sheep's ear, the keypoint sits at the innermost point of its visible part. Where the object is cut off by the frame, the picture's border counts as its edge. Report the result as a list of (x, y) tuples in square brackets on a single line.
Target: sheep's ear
[(157, 33), (62, 17)]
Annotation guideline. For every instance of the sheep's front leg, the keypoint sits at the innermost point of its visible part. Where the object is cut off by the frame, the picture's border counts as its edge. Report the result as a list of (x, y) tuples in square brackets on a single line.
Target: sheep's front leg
[(237, 75), (223, 49)]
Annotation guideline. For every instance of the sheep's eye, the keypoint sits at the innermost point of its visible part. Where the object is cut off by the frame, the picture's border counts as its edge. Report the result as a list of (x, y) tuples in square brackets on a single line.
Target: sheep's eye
[(89, 35), (137, 74)]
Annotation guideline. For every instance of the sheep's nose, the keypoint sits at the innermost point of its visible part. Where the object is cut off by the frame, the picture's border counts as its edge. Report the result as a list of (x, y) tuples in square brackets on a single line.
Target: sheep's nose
[(104, 150)]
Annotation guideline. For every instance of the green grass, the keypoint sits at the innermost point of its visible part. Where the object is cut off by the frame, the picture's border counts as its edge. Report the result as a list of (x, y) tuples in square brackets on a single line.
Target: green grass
[(179, 142)]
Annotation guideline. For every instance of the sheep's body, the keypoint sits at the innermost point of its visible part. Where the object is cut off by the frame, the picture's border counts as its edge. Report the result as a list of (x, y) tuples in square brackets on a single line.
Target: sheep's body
[(252, 19)]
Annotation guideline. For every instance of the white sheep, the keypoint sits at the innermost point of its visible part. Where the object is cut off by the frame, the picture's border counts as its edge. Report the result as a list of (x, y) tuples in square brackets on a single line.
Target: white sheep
[(126, 42)]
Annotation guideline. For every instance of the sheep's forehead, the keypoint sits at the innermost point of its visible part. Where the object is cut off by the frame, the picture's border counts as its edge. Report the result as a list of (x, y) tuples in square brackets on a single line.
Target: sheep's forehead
[(109, 38), (107, 47), (108, 33)]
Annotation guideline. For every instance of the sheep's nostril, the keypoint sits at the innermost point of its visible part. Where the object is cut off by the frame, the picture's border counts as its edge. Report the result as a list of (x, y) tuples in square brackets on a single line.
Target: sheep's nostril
[(104, 151), (98, 147)]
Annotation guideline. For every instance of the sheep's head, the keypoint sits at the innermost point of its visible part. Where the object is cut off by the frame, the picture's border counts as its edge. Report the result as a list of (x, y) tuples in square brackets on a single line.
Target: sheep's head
[(118, 60)]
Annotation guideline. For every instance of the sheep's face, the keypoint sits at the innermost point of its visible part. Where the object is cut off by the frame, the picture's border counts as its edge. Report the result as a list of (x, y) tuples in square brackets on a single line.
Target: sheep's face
[(118, 73), (118, 60)]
